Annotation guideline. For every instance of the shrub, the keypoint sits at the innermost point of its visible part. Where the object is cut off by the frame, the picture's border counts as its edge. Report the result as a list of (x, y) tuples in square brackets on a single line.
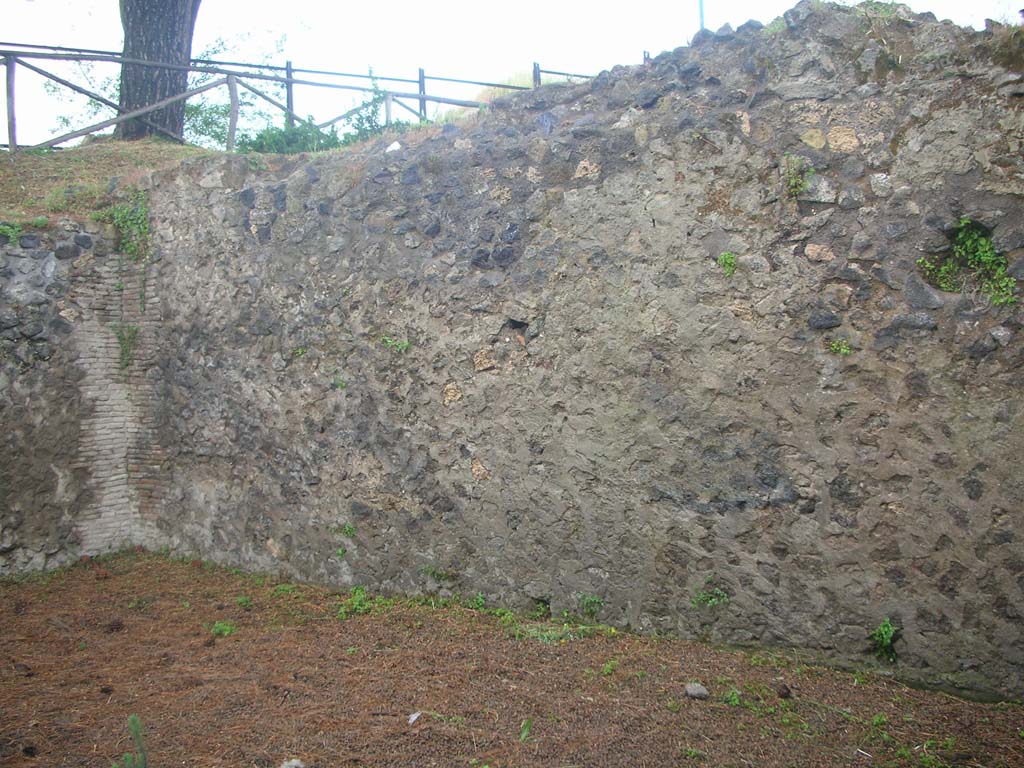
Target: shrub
[(304, 137)]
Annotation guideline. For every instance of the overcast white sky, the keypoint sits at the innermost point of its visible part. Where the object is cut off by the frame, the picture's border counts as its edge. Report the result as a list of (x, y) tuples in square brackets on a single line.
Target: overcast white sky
[(470, 40)]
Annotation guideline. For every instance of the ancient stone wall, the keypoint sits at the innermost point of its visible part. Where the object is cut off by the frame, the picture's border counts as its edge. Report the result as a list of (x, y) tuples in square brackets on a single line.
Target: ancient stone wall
[(513, 357), (80, 465)]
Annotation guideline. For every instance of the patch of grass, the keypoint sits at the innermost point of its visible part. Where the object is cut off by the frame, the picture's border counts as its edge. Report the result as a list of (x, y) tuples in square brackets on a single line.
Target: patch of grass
[(609, 667), (689, 753), (75, 198), (973, 259), (732, 698), (244, 602), (11, 231), (774, 27), (727, 261), (74, 181), (284, 589), (139, 758), (223, 629), (360, 603), (878, 10)]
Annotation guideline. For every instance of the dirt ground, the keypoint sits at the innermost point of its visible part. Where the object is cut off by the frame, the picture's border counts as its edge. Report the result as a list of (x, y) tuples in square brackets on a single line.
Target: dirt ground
[(229, 669)]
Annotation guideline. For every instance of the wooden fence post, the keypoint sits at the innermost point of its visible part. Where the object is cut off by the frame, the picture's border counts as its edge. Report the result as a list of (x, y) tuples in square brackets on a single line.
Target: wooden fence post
[(233, 119), (536, 75), (388, 98), (423, 93), (290, 98), (12, 133)]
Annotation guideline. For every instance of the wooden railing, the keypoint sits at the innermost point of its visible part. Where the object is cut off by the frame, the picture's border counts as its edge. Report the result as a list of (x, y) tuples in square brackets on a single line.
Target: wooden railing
[(232, 76)]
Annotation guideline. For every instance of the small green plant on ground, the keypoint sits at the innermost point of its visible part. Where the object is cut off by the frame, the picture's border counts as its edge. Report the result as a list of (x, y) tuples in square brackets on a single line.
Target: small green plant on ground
[(244, 602), (972, 258), (139, 758), (525, 728), (840, 347), (299, 351), (711, 595), (284, 589), (882, 639), (223, 629), (127, 338), (341, 552), (360, 603), (590, 606), (692, 754), (541, 609), (396, 345), (11, 231), (609, 667), (796, 175), (727, 261), (132, 220), (732, 698), (347, 530)]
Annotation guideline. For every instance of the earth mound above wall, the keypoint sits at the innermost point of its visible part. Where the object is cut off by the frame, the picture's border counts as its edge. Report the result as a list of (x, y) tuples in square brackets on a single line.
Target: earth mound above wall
[(660, 340)]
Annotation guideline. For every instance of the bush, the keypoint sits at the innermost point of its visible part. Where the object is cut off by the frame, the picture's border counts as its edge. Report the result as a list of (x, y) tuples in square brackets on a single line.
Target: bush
[(304, 137)]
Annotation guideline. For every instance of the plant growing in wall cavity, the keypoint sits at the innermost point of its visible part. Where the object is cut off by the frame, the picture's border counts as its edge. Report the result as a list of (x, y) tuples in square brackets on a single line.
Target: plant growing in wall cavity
[(882, 639), (395, 345), (590, 606), (127, 337), (131, 218), (727, 261), (796, 175), (139, 758), (840, 347), (972, 259), (710, 595)]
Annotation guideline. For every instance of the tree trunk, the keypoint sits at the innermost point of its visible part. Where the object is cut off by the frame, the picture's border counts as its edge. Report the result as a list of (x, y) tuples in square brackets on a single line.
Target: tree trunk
[(155, 30)]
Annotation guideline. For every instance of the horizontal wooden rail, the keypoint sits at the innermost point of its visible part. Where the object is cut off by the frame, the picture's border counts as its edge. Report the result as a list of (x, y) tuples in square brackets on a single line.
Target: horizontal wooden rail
[(233, 75), (129, 115)]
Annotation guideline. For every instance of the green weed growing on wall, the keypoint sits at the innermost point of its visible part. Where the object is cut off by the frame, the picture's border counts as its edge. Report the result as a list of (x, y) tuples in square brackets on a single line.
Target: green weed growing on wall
[(796, 175), (972, 259), (127, 338), (131, 218)]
